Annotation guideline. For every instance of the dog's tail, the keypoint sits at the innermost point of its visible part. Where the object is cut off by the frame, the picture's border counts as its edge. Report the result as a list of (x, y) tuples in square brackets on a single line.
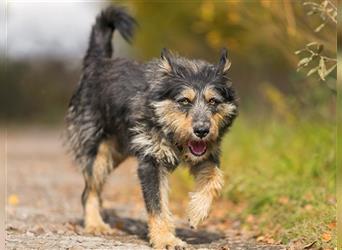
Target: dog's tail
[(100, 43)]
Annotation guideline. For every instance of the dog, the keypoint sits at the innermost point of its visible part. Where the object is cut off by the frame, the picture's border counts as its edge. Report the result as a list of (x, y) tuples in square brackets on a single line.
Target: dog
[(167, 111)]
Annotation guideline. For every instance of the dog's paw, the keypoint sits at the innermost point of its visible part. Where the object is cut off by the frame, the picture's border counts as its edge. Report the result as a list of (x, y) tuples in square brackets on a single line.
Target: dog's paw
[(176, 244), (99, 229), (198, 209), (168, 241)]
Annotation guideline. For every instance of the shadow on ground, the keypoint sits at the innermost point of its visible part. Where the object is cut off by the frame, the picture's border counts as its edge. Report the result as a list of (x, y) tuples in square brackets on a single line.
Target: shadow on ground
[(139, 228)]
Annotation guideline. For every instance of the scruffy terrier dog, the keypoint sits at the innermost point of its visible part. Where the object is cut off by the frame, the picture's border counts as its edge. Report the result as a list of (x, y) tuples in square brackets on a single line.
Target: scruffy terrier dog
[(163, 112)]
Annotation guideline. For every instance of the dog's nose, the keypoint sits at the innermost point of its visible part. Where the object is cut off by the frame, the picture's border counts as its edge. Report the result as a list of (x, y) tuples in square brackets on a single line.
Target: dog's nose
[(201, 131)]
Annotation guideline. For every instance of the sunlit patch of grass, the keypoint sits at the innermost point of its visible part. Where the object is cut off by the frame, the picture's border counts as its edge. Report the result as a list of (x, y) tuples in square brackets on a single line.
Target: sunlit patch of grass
[(286, 175)]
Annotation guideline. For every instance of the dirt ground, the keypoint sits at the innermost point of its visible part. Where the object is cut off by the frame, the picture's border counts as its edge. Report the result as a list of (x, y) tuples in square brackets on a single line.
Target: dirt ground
[(44, 209)]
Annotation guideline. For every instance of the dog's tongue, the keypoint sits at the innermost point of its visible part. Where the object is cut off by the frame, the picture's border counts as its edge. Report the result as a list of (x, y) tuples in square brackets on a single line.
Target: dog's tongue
[(197, 147)]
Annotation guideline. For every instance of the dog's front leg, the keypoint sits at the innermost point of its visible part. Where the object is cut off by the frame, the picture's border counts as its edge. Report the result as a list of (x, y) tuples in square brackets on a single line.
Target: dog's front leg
[(209, 182), (154, 183)]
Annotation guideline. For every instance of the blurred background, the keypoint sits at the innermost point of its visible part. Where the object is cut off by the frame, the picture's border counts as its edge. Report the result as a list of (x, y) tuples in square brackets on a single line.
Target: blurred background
[(279, 158)]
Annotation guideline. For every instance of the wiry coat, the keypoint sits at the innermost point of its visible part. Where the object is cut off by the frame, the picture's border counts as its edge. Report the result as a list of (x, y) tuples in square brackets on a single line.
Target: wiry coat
[(124, 108)]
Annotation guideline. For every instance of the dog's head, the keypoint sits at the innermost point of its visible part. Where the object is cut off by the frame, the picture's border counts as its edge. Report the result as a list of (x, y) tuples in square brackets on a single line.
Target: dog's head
[(194, 102)]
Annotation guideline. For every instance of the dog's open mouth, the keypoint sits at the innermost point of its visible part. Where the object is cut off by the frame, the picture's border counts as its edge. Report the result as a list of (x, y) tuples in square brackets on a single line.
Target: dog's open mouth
[(197, 148)]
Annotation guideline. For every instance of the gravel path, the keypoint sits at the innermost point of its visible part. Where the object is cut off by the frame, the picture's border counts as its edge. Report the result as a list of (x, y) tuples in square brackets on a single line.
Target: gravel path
[(44, 209)]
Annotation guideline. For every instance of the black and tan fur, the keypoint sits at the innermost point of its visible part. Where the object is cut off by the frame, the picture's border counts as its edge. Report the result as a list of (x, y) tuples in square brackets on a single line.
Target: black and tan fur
[(163, 112)]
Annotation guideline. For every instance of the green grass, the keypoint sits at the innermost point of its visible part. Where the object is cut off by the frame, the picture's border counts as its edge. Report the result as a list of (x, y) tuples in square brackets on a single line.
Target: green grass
[(285, 175)]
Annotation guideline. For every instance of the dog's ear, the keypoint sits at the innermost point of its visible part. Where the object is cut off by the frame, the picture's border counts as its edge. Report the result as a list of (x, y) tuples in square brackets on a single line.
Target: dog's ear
[(165, 54), (166, 59), (224, 63)]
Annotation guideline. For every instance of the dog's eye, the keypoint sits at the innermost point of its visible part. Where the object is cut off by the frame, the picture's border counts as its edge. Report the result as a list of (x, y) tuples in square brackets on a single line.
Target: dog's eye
[(213, 101), (184, 101)]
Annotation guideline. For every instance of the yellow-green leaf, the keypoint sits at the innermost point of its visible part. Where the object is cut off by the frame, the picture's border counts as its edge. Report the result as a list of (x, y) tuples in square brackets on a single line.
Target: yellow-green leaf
[(304, 61), (322, 69)]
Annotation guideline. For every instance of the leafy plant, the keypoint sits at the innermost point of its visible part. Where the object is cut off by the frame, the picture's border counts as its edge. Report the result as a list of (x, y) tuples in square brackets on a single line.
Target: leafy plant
[(313, 54)]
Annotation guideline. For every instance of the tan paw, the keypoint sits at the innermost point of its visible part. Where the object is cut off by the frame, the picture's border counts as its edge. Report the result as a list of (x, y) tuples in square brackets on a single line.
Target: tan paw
[(99, 229), (198, 209), (169, 242)]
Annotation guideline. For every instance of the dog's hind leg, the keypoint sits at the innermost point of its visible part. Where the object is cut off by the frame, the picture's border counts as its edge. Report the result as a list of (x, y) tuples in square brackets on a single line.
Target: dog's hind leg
[(106, 159), (209, 182), (154, 184)]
